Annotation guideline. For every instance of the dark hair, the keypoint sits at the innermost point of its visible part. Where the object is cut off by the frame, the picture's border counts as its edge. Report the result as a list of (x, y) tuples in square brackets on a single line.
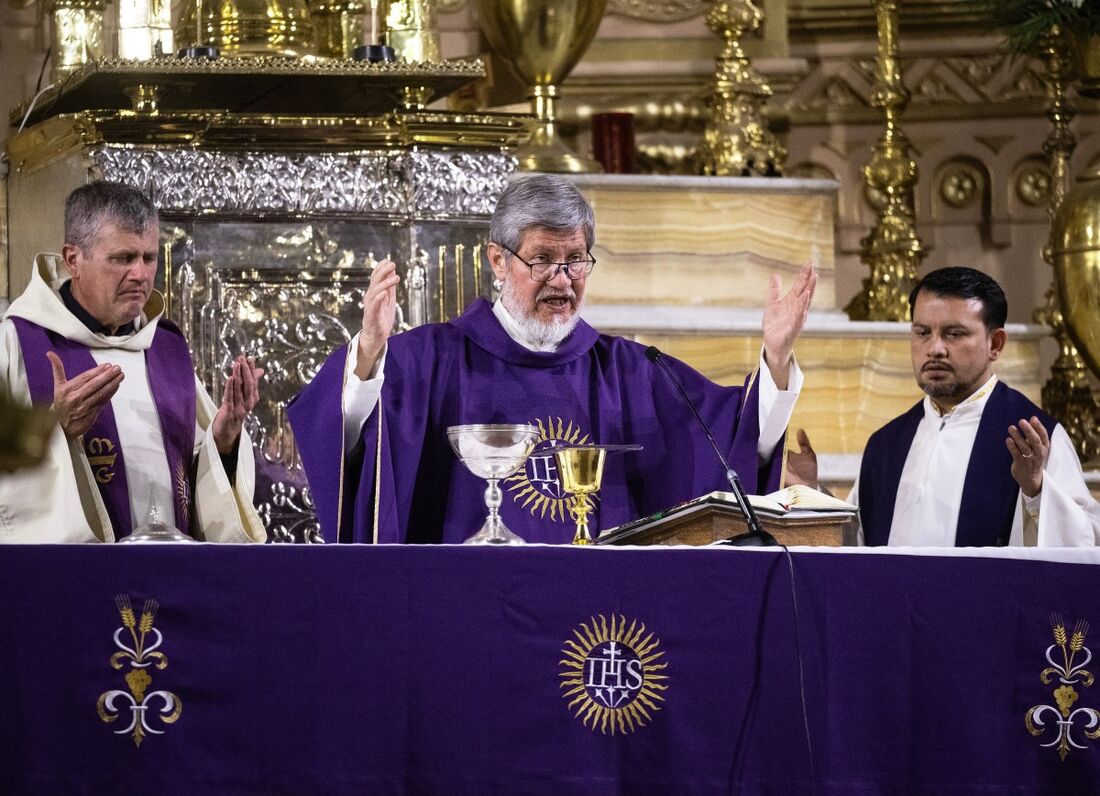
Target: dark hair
[(542, 201), (966, 283), (91, 206)]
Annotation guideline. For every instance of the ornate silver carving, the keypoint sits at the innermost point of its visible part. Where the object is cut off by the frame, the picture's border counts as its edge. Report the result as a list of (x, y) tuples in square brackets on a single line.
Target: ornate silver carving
[(252, 183), (658, 10), (418, 184), (456, 183)]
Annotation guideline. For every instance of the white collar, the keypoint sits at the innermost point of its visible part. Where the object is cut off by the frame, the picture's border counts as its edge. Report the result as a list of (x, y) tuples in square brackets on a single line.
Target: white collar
[(973, 405)]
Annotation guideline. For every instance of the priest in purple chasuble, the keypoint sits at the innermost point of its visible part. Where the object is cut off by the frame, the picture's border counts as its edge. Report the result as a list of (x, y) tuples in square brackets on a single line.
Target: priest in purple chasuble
[(975, 463), (372, 425), (135, 428)]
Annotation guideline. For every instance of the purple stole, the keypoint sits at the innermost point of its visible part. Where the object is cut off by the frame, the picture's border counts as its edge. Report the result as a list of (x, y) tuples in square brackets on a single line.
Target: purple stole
[(989, 490), (172, 384)]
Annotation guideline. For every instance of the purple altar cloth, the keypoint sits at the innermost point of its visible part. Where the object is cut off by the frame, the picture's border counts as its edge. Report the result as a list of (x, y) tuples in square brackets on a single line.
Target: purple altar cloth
[(412, 669)]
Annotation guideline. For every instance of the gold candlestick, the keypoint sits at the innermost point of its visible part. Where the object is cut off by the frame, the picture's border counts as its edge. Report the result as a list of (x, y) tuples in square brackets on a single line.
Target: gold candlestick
[(1067, 395), (736, 140), (892, 250)]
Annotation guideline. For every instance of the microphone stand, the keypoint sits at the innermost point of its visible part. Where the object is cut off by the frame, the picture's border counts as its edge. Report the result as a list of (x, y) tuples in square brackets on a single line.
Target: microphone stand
[(756, 536)]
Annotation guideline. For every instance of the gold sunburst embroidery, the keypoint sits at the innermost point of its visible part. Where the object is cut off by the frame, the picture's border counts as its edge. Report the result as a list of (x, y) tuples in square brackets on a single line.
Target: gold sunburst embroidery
[(183, 493), (536, 486), (612, 674)]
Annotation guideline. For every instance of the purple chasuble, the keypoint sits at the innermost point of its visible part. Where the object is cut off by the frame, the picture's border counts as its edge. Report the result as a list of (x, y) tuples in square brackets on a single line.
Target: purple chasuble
[(594, 389), (172, 384), (989, 490)]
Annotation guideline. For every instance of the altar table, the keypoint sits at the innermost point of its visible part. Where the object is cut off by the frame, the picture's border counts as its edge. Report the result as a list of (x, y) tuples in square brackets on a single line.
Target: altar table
[(198, 669)]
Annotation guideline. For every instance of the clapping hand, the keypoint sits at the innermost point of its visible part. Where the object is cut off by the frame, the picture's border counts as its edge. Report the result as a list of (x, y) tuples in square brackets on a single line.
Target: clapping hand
[(78, 401), (242, 392), (379, 313), (784, 317)]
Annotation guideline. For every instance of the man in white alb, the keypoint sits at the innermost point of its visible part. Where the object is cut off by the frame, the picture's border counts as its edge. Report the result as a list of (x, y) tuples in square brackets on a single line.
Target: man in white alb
[(135, 427), (975, 463)]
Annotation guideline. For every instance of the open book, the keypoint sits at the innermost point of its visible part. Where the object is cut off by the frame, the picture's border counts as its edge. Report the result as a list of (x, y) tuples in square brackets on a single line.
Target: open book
[(795, 498), (791, 503)]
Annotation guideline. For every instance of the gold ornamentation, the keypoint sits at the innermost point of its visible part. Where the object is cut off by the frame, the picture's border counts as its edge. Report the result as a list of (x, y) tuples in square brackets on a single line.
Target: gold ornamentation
[(274, 88), (1070, 672), (77, 30), (961, 184), (140, 700), (612, 674), (658, 10), (736, 141), (144, 97), (542, 40), (537, 486), (249, 27), (1033, 184), (101, 458), (412, 30), (892, 250), (1067, 395), (337, 26)]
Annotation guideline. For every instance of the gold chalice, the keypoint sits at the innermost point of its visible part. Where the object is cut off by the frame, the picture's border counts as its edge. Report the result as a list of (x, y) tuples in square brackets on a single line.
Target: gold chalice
[(542, 40), (580, 470)]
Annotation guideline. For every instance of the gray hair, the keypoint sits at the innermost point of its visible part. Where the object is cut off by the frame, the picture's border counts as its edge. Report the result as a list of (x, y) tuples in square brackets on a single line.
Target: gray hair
[(544, 202), (91, 206)]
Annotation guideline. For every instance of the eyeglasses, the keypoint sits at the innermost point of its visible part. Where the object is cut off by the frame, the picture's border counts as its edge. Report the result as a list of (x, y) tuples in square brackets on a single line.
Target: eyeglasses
[(543, 270)]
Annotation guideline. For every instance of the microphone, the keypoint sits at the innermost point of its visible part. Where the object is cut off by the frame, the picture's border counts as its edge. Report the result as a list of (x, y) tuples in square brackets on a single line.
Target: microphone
[(756, 535)]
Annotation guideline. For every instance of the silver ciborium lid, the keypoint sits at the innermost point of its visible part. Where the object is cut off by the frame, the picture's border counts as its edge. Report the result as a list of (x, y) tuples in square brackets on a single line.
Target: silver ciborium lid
[(155, 528)]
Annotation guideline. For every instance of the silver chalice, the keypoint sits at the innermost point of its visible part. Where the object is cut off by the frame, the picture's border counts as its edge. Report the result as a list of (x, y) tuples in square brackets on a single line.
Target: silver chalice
[(493, 451)]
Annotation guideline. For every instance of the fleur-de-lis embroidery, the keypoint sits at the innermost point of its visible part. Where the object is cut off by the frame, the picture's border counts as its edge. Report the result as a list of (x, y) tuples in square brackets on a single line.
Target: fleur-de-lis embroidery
[(141, 655), (1070, 672)]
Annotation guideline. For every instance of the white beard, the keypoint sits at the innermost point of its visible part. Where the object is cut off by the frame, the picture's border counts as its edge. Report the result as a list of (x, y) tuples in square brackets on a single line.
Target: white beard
[(541, 333)]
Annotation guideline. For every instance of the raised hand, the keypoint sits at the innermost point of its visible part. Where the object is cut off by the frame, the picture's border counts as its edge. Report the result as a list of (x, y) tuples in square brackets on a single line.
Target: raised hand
[(784, 317), (802, 463), (1029, 444), (379, 312), (78, 401), (242, 393)]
